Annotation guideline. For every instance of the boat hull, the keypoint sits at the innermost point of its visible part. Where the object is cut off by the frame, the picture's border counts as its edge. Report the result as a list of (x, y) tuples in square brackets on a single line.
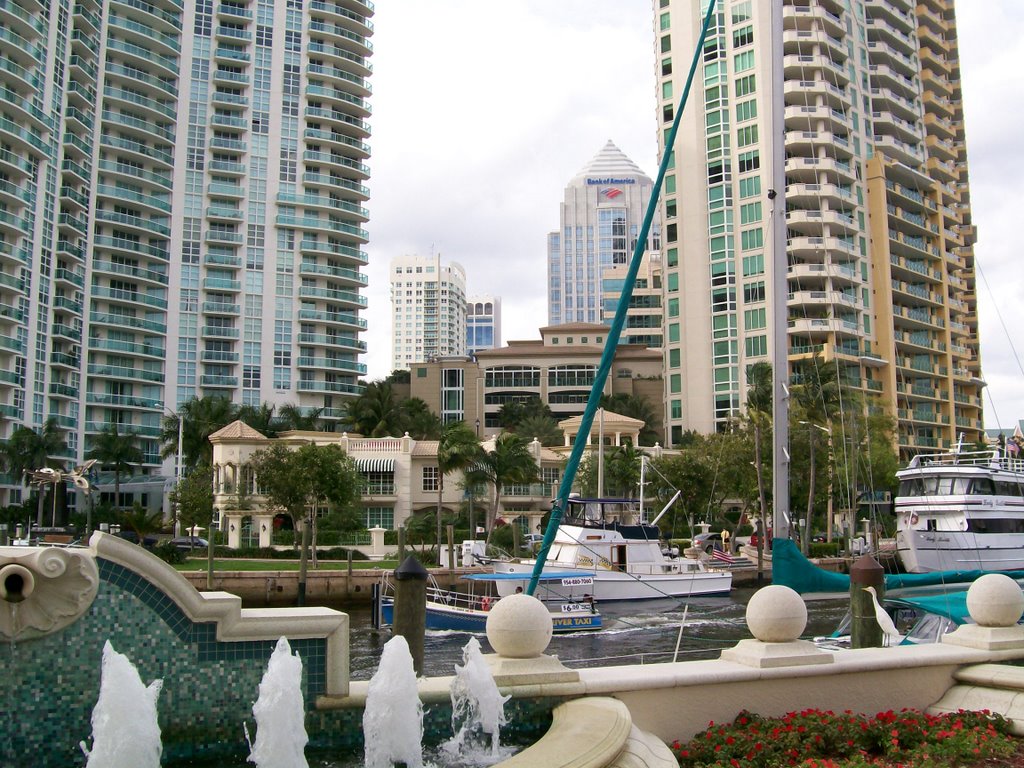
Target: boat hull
[(615, 586), (457, 619), (931, 551)]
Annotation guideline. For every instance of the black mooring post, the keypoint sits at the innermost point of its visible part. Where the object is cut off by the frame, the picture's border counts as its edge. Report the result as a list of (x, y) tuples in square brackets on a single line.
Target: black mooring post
[(410, 619), (865, 631)]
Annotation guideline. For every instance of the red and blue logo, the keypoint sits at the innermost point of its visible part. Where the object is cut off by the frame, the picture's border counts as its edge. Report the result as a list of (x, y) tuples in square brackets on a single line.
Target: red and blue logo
[(611, 192)]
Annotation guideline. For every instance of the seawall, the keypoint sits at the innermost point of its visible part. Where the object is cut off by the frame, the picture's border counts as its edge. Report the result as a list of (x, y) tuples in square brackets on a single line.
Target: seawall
[(337, 586)]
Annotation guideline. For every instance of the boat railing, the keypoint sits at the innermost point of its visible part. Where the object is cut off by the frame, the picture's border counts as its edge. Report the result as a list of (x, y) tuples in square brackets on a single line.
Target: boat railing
[(987, 459), (455, 599)]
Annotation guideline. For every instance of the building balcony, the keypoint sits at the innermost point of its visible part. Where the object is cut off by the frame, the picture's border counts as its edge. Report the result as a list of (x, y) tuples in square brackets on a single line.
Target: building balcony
[(125, 373), (218, 382), (332, 364)]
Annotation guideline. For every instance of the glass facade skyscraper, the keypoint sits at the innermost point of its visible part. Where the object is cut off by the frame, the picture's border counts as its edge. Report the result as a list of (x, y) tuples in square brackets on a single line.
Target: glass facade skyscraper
[(599, 220), (182, 190)]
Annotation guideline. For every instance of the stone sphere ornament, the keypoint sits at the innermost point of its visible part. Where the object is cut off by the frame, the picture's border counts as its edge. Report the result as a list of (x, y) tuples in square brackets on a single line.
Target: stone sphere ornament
[(519, 627), (776, 614), (995, 600)]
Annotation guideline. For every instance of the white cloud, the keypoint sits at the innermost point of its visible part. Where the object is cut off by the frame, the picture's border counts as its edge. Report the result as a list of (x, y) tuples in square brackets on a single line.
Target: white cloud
[(483, 112)]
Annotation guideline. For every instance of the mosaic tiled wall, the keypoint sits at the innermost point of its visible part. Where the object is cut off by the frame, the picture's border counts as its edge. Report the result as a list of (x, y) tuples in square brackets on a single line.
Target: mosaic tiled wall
[(49, 686)]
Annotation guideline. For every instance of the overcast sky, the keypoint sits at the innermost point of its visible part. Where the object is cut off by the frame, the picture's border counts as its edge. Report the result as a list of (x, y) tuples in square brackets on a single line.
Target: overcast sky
[(484, 112)]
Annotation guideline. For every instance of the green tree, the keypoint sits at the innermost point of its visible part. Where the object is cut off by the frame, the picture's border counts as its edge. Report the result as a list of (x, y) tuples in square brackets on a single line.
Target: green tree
[(142, 521), (621, 465), (543, 428), (510, 462), (192, 498), (200, 418), (759, 414), (712, 469), (294, 417), (261, 418), (26, 450), (515, 412), (818, 396), (635, 407), (118, 452), (374, 413), (300, 482), (416, 418), (457, 450), (865, 458)]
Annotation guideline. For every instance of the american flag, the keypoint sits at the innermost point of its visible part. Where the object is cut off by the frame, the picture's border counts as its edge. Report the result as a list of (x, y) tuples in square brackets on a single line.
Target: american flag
[(722, 555)]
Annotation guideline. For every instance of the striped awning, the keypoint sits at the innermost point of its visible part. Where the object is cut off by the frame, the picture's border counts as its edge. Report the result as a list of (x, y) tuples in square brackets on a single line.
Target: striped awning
[(376, 465)]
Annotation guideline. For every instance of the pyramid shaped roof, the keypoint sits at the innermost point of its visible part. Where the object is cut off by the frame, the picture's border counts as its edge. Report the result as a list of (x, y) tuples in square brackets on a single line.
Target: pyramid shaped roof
[(237, 430), (610, 162)]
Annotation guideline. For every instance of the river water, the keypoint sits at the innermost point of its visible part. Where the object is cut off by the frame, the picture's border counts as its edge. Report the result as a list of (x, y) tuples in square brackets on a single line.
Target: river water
[(634, 633)]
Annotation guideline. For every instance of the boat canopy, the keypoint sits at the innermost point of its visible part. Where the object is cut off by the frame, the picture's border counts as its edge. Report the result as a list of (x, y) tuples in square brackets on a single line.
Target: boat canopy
[(949, 605), (791, 569)]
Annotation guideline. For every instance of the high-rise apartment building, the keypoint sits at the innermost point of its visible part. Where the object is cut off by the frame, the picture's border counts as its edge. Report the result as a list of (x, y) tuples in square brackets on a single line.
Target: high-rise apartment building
[(428, 310), (644, 321), (181, 209), (877, 208), (483, 322), (600, 220)]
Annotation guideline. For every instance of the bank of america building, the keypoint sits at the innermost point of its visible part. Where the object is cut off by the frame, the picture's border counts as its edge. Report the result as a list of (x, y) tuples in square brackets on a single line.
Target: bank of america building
[(182, 190)]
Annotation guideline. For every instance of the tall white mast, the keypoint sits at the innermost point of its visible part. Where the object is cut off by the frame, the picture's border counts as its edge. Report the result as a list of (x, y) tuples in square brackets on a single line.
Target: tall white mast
[(779, 263)]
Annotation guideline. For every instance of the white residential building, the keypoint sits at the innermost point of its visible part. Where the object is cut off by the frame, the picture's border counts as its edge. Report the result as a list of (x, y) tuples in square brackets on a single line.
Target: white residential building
[(428, 310)]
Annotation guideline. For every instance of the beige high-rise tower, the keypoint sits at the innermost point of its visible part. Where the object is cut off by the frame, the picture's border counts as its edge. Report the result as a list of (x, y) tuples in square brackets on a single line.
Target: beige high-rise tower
[(879, 256)]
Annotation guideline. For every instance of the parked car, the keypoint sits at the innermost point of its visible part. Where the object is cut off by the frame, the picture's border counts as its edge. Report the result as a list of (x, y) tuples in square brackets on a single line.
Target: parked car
[(189, 542), (707, 541)]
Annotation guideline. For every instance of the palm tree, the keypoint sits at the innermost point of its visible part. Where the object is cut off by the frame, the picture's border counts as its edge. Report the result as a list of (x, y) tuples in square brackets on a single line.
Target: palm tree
[(27, 449), (200, 418), (635, 407), (457, 450), (261, 418), (543, 428), (819, 396), (116, 451), (515, 412), (510, 462), (759, 411), (418, 420), (294, 417), (374, 413)]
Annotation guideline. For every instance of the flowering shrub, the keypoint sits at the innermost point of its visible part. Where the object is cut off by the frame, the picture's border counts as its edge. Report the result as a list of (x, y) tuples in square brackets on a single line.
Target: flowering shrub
[(821, 739)]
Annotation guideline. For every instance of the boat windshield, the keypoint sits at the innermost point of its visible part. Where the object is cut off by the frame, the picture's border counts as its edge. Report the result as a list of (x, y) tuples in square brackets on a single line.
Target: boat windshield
[(930, 629), (947, 486)]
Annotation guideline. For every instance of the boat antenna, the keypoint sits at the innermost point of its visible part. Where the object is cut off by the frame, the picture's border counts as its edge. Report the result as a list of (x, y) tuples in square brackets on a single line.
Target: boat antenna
[(587, 420)]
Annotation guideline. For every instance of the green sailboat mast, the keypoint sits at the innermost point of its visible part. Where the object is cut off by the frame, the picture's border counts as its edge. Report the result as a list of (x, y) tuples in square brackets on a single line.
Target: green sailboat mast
[(612, 341)]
